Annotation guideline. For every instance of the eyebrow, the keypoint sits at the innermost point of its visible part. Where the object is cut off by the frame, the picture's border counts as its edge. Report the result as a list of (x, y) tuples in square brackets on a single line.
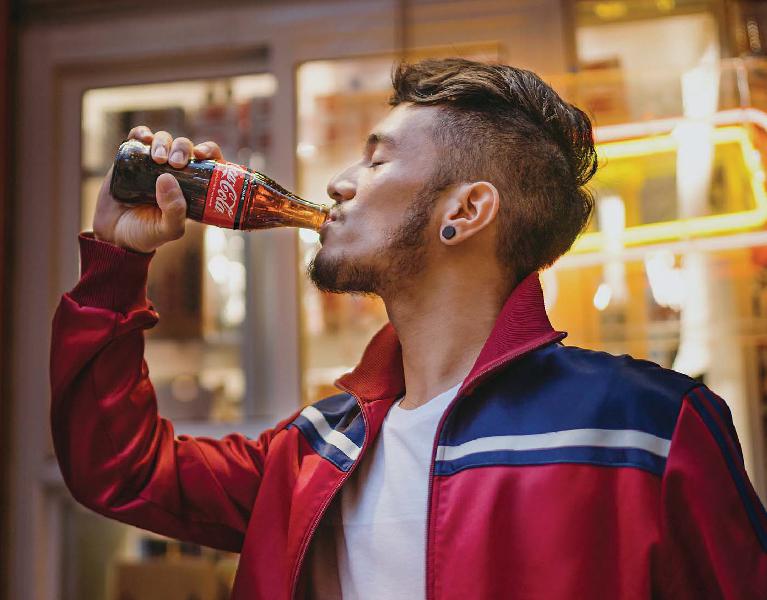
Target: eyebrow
[(381, 138)]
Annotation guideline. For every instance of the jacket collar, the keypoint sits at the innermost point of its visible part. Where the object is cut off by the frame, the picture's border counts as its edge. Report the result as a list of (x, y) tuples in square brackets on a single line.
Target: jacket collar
[(522, 326)]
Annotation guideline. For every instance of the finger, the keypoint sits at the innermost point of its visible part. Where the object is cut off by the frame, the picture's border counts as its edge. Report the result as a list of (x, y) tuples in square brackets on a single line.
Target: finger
[(180, 151), (173, 206), (161, 146), (141, 133), (209, 150)]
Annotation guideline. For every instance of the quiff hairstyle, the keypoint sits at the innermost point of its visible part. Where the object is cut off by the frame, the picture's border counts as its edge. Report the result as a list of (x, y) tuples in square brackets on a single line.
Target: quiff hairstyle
[(505, 125)]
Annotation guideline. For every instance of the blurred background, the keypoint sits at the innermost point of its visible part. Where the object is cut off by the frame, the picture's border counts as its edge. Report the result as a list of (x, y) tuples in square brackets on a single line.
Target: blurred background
[(673, 267)]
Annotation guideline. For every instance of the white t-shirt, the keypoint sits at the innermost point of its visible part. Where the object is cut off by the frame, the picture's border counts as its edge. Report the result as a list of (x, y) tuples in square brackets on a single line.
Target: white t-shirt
[(380, 530)]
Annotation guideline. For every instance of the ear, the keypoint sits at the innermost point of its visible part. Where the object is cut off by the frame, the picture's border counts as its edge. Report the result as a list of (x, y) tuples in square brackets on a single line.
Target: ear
[(469, 209)]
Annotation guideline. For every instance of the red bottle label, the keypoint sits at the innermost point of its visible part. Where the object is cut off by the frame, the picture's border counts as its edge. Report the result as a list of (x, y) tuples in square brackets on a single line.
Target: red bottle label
[(227, 191)]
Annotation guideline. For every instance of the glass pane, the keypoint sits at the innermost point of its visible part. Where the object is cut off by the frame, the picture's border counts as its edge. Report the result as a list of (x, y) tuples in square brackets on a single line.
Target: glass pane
[(197, 283), (630, 67), (339, 102), (672, 265)]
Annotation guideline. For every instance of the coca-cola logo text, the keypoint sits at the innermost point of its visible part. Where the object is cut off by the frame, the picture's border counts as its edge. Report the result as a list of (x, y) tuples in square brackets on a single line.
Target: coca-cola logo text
[(226, 194)]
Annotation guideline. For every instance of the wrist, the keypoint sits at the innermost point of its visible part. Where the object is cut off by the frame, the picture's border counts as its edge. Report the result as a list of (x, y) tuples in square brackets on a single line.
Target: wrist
[(112, 277)]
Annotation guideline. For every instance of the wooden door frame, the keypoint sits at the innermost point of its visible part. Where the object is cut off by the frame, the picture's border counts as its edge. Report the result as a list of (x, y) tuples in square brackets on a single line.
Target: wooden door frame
[(7, 76)]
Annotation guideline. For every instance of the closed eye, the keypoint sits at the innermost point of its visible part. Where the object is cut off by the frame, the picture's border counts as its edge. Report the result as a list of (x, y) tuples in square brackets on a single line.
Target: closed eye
[(373, 165)]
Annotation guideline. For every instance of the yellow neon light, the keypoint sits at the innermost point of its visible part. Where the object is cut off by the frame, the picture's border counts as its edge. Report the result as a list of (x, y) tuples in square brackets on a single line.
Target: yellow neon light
[(697, 226)]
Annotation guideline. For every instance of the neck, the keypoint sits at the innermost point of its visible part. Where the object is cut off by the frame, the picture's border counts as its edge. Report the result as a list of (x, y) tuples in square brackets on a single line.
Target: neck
[(442, 326)]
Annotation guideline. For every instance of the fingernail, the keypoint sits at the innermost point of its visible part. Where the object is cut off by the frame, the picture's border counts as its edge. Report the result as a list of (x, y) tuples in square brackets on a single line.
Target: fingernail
[(177, 157), (202, 148), (165, 183), (160, 152)]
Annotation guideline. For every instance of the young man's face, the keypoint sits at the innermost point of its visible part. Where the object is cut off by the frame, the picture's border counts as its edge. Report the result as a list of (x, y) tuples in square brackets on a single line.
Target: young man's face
[(380, 234)]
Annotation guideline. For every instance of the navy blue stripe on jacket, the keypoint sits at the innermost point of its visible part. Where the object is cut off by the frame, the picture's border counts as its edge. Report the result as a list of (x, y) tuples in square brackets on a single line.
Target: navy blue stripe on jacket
[(334, 428), (567, 405)]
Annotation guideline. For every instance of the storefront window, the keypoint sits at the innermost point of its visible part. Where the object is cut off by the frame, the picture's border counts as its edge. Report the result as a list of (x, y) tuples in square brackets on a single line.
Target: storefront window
[(196, 352), (672, 266), (198, 284)]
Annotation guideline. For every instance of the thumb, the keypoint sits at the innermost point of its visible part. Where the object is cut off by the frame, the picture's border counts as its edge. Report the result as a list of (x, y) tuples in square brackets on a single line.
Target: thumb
[(172, 205)]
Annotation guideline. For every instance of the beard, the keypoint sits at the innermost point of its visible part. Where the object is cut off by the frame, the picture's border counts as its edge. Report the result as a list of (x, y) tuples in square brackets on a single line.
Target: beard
[(401, 259)]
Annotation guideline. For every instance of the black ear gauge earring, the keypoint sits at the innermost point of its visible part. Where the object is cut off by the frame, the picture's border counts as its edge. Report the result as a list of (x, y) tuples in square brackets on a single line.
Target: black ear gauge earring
[(448, 232)]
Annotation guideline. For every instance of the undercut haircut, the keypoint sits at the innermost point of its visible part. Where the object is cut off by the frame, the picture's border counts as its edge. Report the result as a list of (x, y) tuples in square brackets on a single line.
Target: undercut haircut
[(507, 126)]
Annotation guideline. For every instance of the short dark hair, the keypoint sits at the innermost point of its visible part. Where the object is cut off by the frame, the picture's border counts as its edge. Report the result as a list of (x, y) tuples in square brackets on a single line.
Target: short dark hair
[(507, 126)]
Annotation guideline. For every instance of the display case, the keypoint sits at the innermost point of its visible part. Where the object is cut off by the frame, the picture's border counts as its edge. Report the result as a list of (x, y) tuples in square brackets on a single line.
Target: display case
[(668, 269), (198, 354)]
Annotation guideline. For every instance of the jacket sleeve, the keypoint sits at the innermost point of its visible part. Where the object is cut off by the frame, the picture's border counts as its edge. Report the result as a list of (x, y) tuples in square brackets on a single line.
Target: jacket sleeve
[(118, 457), (714, 528)]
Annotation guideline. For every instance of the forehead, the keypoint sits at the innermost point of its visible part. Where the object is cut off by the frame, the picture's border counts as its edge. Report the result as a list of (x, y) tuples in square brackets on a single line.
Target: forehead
[(406, 127)]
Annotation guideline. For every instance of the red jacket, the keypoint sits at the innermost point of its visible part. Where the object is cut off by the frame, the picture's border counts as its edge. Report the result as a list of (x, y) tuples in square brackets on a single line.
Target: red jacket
[(558, 473)]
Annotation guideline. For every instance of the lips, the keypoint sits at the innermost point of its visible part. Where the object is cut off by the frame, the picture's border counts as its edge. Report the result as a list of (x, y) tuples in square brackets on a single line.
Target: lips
[(334, 216)]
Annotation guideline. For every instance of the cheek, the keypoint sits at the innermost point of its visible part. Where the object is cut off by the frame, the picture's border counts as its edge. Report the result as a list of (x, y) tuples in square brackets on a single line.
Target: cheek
[(376, 211), (379, 207), (360, 239), (357, 235)]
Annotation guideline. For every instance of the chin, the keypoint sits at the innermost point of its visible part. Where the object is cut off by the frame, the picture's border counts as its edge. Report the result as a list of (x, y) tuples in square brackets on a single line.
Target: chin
[(341, 272), (329, 253)]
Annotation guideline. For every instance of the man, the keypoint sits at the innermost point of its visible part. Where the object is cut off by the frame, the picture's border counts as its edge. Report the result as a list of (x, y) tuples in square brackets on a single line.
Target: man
[(470, 454)]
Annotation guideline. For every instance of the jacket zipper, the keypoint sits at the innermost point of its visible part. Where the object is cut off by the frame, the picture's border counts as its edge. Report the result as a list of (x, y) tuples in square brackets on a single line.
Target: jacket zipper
[(478, 378), (318, 517)]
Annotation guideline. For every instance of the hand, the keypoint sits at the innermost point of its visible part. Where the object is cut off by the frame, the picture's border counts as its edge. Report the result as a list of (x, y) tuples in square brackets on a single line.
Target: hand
[(145, 227)]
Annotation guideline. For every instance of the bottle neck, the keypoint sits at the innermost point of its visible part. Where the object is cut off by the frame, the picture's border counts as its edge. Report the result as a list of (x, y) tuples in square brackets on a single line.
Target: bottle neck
[(271, 205)]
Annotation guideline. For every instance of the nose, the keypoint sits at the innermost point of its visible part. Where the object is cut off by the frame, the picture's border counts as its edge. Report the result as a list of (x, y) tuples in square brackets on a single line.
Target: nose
[(342, 187)]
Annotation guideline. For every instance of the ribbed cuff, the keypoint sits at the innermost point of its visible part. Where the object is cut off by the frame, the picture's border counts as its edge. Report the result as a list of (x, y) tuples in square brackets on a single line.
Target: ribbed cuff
[(110, 277)]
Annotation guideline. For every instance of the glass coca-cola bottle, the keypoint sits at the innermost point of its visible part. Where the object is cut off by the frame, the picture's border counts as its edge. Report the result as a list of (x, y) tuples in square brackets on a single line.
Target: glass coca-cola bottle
[(218, 193)]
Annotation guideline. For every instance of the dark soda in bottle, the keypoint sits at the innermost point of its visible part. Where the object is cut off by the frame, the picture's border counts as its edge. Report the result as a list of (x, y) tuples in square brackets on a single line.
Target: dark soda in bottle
[(217, 193)]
